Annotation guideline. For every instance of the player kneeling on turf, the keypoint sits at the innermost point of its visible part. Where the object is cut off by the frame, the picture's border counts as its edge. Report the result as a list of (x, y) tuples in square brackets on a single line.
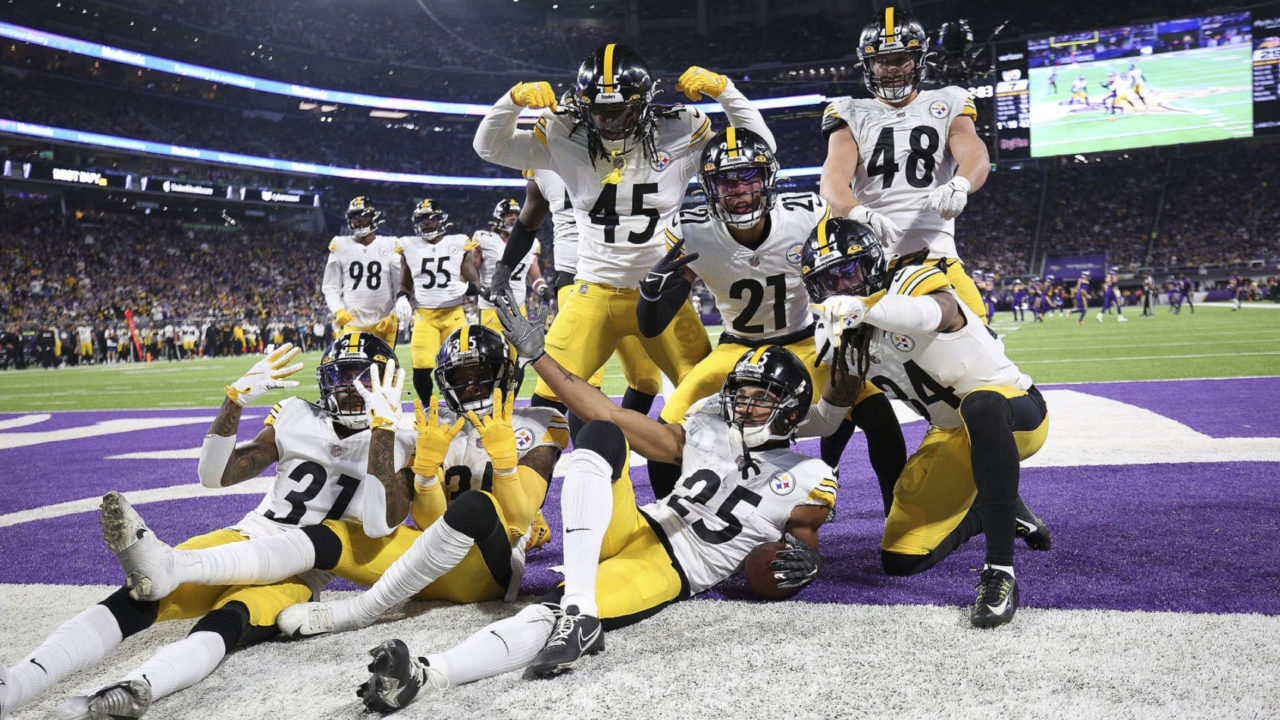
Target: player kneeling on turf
[(741, 485)]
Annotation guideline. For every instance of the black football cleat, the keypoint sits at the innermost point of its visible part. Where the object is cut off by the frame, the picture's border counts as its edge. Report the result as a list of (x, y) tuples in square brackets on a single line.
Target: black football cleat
[(1033, 530), (575, 636), (396, 678), (997, 599)]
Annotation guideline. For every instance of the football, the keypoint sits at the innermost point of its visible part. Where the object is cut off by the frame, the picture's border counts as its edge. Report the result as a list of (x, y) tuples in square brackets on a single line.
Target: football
[(760, 576)]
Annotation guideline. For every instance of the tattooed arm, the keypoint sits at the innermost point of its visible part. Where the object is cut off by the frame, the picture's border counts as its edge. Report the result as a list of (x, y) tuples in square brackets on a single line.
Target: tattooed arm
[(222, 463), (398, 485)]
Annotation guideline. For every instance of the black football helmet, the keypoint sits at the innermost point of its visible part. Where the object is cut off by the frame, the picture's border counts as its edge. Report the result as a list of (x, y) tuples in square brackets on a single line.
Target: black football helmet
[(362, 217), (344, 363), (891, 50), (788, 394), (843, 257), (738, 173), (473, 361), (504, 208), (613, 98), (430, 222)]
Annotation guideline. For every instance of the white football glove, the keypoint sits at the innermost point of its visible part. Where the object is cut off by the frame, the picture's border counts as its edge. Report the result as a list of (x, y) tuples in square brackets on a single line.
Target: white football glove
[(949, 200), (266, 375), (404, 312), (382, 399), (826, 342), (885, 229)]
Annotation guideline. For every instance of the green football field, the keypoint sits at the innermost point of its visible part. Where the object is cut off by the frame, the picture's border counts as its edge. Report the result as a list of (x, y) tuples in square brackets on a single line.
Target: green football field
[(1214, 342), (1192, 96)]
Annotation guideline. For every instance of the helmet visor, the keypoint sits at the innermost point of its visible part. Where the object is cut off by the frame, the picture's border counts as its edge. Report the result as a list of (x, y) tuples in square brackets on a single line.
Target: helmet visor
[(739, 191), (470, 385), (339, 380), (428, 225), (850, 277), (615, 121)]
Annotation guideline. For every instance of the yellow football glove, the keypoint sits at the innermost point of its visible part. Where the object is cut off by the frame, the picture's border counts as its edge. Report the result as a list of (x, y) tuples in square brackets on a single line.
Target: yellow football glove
[(266, 375), (497, 435), (698, 80), (433, 438), (387, 327), (534, 95), (342, 318)]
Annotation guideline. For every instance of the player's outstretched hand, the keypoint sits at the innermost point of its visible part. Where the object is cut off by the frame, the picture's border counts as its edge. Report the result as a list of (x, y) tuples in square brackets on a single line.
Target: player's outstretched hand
[(797, 565), (699, 81), (886, 230), (499, 282), (668, 273), (497, 434), (433, 438), (534, 95), (949, 200), (529, 339), (404, 311), (266, 375), (382, 397)]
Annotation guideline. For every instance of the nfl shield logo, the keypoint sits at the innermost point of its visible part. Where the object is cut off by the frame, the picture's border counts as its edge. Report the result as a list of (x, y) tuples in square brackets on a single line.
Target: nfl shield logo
[(903, 342), (335, 450), (782, 483), (754, 261)]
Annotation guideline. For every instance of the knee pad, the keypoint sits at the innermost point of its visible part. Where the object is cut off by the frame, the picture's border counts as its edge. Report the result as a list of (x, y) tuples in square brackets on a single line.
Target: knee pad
[(472, 514), (133, 616), (985, 409), (900, 564), (230, 622), (327, 546), (606, 440)]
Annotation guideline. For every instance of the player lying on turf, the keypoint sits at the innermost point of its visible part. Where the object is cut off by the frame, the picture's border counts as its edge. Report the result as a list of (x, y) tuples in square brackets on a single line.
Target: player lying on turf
[(741, 485), (320, 451), (908, 332), (495, 462)]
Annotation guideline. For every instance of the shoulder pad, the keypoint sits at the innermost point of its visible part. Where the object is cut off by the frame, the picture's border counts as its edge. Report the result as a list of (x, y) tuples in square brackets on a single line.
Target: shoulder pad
[(699, 126), (837, 114), (540, 426), (918, 280)]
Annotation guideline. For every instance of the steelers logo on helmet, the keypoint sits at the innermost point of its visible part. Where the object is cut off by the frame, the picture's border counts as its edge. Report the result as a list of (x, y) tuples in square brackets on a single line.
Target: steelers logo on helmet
[(738, 175), (473, 362), (345, 362), (429, 220), (363, 219), (613, 100), (843, 257), (891, 51), (766, 395)]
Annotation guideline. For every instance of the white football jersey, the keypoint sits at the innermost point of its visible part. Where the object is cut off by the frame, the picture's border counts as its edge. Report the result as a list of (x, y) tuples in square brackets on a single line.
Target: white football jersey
[(902, 156), (363, 279), (466, 463), (714, 518), (320, 476), (933, 371), (565, 228), (619, 224), (85, 333), (491, 247), (760, 293), (436, 269)]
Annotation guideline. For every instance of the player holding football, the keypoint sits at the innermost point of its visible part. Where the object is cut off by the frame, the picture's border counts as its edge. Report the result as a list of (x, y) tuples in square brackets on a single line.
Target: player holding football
[(362, 275), (329, 465), (741, 486), (436, 267), (625, 163), (908, 333), (744, 243), (906, 160), (490, 245), (495, 463)]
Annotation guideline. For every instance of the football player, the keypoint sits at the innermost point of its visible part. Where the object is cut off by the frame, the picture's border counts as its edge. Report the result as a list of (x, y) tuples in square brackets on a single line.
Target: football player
[(626, 163), (905, 160), (744, 243), (742, 486), (546, 193), (1138, 80), (362, 275), (1184, 293), (1080, 92), (475, 491), (328, 465), (436, 268), (908, 333), (1082, 296), (490, 245), (1111, 296)]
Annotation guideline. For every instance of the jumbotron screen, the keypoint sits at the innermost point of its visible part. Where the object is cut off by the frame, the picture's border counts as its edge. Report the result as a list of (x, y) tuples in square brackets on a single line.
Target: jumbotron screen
[(1162, 83)]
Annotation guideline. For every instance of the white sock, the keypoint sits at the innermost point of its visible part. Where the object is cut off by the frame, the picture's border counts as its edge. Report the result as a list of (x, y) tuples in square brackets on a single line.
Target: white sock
[(80, 642), (1006, 568), (253, 562), (180, 665), (437, 551), (586, 503), (497, 648)]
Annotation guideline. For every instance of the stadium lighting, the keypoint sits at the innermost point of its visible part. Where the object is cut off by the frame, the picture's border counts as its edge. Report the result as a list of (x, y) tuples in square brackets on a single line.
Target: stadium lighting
[(274, 87)]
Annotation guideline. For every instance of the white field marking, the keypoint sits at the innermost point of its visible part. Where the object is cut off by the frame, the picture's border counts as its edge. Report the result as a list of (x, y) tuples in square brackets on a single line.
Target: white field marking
[(1160, 380), (1078, 346), (1243, 305), (256, 486), (1144, 357), (104, 427), (183, 454), (23, 421)]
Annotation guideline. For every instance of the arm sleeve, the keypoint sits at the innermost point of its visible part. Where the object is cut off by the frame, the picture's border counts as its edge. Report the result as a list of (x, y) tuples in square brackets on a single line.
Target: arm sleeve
[(518, 245), (519, 496), (428, 502), (653, 315), (499, 141), (332, 285), (741, 113), (822, 420)]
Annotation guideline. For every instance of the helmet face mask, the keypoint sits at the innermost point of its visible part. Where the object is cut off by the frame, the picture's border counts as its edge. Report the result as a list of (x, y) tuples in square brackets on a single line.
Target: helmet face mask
[(347, 362), (892, 53), (362, 218), (738, 175), (766, 396), (473, 362), (843, 258), (429, 221), (505, 215)]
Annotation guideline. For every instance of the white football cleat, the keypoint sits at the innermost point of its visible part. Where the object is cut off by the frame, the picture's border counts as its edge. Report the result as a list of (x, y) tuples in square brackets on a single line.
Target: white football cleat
[(1099, 317), (125, 699), (148, 563), (1122, 319), (4, 692), (321, 618)]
